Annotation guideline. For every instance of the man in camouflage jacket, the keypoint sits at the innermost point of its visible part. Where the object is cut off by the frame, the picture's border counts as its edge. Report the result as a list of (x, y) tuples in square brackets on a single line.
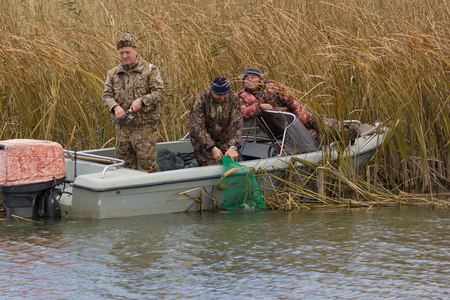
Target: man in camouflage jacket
[(258, 95), (135, 86), (215, 126)]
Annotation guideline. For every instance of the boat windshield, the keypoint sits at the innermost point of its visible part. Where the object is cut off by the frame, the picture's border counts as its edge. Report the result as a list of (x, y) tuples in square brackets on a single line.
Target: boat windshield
[(282, 131)]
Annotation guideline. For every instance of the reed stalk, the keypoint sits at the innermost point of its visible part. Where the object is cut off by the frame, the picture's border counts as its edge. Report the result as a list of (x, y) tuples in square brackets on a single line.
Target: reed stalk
[(376, 61)]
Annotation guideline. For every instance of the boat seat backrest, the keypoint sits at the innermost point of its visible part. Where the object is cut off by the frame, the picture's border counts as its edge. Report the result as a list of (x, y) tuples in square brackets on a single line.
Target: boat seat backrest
[(274, 124)]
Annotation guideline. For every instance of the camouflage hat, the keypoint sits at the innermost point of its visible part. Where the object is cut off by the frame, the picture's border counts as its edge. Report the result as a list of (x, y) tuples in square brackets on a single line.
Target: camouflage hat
[(126, 40)]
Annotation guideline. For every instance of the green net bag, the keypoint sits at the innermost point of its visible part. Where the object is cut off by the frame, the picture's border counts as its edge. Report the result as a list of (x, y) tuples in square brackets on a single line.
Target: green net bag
[(240, 186)]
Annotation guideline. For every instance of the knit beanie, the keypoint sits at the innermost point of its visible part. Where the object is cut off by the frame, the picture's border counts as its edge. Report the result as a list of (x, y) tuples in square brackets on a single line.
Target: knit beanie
[(251, 70), (220, 86)]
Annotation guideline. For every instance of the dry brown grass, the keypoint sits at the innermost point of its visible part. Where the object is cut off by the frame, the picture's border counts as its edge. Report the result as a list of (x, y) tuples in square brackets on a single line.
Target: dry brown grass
[(370, 60)]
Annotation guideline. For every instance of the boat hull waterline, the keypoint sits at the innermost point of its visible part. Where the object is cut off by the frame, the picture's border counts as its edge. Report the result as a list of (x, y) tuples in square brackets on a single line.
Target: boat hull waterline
[(124, 192)]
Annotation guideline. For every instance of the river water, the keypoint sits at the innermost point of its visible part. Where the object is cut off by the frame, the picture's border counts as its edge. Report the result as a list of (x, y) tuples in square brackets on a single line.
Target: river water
[(387, 253)]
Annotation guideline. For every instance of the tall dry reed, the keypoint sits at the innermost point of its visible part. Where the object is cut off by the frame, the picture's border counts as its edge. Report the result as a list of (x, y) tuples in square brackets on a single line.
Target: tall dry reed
[(381, 60)]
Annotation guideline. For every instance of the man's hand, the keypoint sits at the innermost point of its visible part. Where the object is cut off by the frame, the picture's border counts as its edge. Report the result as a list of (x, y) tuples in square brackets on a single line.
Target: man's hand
[(217, 154), (119, 112), (265, 106), (136, 105), (233, 154)]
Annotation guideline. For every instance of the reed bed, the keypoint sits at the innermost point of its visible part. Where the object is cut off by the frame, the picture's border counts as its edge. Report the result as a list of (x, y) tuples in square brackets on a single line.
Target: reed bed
[(376, 61), (308, 186)]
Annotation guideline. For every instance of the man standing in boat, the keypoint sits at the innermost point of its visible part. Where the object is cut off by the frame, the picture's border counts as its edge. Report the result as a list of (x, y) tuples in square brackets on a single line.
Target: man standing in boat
[(258, 94), (133, 93), (215, 126)]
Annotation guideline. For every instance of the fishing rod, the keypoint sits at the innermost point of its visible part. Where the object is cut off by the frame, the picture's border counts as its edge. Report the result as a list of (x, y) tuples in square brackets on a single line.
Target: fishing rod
[(127, 113), (130, 117)]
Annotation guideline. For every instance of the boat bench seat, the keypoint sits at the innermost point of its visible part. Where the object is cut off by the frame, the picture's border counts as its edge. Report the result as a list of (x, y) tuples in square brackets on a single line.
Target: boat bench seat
[(255, 150)]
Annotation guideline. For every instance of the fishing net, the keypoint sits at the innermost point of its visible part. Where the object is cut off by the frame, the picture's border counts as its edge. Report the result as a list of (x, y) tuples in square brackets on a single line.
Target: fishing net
[(240, 186)]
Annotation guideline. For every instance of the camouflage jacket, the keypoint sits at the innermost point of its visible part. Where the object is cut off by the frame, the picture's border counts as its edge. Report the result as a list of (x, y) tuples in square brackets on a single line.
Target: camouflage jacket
[(279, 97), (142, 81), (214, 123)]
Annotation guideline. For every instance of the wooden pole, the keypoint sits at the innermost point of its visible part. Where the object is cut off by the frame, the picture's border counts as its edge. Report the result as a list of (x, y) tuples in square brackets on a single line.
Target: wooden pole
[(320, 181)]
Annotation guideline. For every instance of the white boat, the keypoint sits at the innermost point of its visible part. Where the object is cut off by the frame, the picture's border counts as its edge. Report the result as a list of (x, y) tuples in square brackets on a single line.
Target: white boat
[(95, 185)]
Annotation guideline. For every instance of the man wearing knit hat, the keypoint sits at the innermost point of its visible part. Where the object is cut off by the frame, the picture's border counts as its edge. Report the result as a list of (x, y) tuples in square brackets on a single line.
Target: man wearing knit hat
[(215, 126), (258, 94), (133, 93)]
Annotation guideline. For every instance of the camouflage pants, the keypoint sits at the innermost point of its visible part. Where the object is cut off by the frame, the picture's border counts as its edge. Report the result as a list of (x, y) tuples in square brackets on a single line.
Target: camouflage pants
[(136, 145)]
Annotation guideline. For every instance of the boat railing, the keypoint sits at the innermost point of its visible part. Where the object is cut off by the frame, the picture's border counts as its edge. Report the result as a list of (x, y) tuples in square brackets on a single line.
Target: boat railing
[(110, 161), (185, 137), (110, 166), (364, 130), (351, 122), (333, 145), (276, 133)]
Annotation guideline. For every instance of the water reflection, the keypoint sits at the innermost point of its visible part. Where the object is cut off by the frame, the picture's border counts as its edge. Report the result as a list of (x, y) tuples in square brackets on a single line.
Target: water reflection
[(384, 253)]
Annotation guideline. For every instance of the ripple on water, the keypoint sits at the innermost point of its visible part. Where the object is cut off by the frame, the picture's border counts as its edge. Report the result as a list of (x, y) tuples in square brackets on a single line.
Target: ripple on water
[(384, 254)]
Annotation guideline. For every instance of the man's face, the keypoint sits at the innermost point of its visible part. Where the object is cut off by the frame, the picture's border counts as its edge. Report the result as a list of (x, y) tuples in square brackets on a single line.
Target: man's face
[(220, 98), (128, 55), (252, 82)]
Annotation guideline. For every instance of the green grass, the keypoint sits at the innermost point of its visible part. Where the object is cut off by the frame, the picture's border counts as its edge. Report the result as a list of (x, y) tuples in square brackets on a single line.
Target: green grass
[(379, 60)]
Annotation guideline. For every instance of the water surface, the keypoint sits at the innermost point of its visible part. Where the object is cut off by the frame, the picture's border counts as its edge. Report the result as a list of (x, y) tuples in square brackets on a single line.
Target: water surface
[(385, 253)]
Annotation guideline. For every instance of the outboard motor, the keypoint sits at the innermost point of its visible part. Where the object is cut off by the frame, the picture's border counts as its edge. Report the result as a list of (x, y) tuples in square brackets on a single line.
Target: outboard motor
[(29, 172)]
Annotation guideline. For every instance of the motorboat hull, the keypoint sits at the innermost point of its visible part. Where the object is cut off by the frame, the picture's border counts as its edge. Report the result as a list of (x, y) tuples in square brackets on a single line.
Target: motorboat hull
[(124, 192), (92, 184)]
